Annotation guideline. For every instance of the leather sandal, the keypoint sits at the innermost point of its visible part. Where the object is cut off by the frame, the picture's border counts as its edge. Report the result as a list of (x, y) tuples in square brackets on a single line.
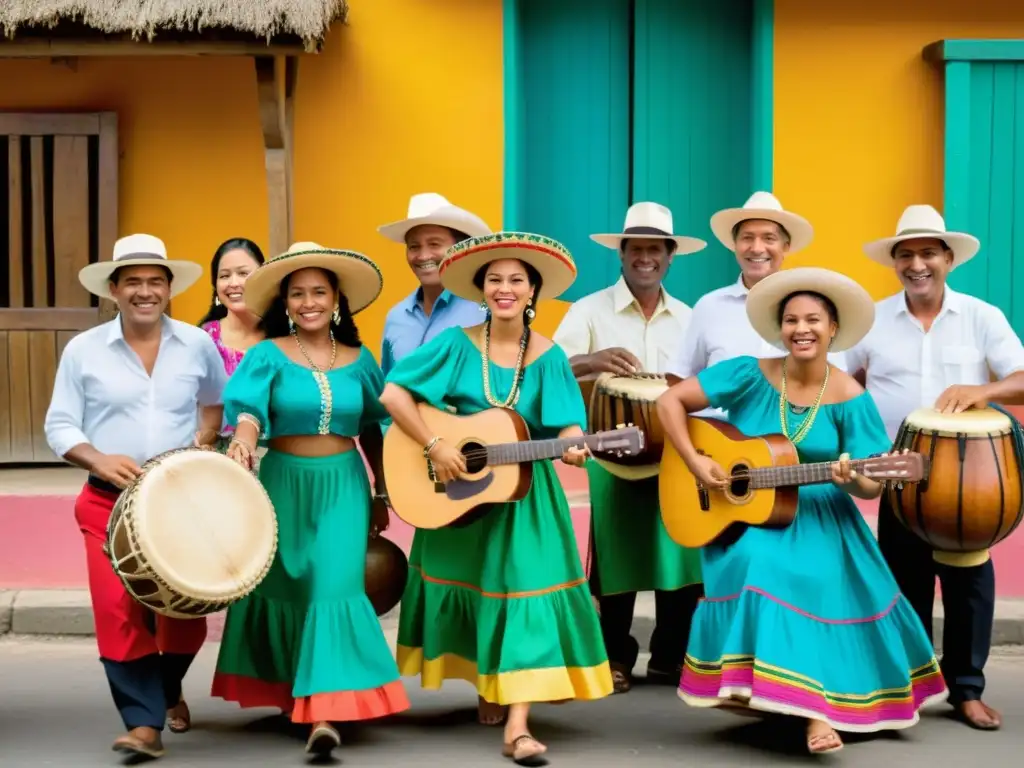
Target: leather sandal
[(322, 741), (137, 745), (525, 750), (179, 718)]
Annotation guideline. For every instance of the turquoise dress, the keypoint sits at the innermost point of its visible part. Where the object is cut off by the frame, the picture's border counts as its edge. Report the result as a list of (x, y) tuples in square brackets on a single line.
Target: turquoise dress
[(504, 603), (807, 620), (307, 640)]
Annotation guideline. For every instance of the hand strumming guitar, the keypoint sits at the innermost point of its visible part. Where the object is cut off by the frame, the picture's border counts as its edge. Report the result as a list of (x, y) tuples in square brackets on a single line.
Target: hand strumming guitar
[(708, 472), (449, 463)]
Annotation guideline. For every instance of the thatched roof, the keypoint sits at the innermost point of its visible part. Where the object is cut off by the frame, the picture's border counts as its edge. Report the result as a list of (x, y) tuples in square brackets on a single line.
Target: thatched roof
[(308, 20)]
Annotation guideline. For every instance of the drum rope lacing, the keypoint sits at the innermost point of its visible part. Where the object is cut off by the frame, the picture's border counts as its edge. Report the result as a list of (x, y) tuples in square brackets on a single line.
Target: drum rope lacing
[(1017, 432), (808, 422)]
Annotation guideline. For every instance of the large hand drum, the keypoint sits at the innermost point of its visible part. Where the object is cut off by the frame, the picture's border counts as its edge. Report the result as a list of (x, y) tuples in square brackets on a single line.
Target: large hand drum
[(973, 495), (193, 534), (618, 401), (387, 570)]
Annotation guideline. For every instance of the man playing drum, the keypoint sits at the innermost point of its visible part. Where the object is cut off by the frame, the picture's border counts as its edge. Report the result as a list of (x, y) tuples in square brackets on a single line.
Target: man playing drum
[(933, 346), (627, 328), (761, 234), (126, 391)]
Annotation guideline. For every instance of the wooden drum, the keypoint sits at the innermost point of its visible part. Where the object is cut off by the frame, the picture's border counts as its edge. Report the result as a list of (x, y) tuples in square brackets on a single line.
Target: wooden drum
[(624, 401), (193, 534), (973, 494)]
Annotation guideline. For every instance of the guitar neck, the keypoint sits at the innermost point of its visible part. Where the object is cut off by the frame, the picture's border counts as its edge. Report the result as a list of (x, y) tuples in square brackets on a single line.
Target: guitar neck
[(536, 450), (797, 474)]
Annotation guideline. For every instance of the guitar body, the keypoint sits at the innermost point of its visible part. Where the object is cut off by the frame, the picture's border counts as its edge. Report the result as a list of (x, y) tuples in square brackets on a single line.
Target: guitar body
[(423, 503), (695, 518)]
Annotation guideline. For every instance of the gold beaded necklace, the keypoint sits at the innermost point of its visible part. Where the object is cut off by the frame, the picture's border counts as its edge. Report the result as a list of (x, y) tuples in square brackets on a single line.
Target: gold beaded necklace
[(513, 395), (808, 422)]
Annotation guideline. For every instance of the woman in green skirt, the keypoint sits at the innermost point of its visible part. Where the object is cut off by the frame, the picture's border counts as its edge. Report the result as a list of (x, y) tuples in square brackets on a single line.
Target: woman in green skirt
[(514, 615), (307, 640)]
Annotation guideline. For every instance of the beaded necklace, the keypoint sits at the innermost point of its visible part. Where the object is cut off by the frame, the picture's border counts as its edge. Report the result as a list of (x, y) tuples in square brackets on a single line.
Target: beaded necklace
[(320, 375), (513, 395), (808, 422)]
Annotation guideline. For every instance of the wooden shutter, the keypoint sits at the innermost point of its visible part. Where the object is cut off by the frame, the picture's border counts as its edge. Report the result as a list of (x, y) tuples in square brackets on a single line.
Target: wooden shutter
[(58, 213)]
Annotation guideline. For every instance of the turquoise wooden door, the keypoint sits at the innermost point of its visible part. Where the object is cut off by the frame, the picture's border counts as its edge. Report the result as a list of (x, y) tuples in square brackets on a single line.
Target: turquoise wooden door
[(984, 174), (611, 102)]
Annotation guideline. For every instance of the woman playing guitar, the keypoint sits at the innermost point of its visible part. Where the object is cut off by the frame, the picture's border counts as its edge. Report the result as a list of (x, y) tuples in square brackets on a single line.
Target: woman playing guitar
[(807, 620)]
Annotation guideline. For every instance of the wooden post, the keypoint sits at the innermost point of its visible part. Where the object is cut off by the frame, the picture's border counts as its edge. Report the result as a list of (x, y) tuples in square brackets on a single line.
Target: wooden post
[(275, 81)]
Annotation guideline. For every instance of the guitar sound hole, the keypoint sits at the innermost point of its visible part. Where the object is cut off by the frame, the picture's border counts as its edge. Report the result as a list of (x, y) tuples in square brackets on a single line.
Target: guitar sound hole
[(476, 457), (740, 486)]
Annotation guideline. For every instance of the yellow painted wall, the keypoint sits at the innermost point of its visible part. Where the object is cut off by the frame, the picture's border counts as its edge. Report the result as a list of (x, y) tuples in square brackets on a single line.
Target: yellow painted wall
[(407, 97), (859, 116)]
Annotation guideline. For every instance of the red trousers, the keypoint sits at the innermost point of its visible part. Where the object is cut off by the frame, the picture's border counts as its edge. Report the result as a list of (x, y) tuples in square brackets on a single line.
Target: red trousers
[(122, 633)]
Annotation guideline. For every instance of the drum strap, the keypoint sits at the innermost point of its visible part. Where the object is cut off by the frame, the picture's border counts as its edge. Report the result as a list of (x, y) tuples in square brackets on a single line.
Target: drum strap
[(1018, 437)]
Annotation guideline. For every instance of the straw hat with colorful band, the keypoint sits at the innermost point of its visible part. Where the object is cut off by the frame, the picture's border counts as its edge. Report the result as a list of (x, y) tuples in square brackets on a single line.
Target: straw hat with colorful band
[(923, 221), (358, 277), (762, 206), (138, 251), (853, 303), (549, 257)]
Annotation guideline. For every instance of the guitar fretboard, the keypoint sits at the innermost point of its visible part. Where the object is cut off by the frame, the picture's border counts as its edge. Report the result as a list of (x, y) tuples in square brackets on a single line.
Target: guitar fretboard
[(535, 450), (796, 474)]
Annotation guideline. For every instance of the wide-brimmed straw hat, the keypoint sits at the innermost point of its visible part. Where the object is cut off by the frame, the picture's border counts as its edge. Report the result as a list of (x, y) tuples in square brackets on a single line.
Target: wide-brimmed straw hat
[(854, 304), (650, 221), (138, 251), (432, 208), (358, 277), (549, 257), (920, 221), (762, 205)]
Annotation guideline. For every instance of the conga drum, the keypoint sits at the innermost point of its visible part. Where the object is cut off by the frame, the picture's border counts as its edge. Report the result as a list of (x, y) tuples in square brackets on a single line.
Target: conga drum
[(194, 533), (618, 401), (972, 496), (387, 570)]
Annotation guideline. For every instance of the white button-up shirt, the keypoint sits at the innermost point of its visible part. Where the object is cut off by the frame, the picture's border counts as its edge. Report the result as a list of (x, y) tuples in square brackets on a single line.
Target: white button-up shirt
[(103, 396), (908, 368), (612, 317)]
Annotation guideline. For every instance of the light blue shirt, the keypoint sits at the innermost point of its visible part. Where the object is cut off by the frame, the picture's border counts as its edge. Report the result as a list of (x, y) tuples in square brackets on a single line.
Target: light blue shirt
[(408, 327), (103, 396)]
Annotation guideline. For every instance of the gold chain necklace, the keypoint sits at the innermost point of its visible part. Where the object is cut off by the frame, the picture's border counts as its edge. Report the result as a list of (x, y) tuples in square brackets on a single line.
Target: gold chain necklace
[(513, 395), (320, 376), (808, 422), (316, 368)]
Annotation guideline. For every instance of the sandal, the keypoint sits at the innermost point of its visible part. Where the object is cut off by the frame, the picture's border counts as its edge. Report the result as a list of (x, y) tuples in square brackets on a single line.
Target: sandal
[(824, 743), (322, 741), (179, 718), (525, 750), (621, 682), (489, 713)]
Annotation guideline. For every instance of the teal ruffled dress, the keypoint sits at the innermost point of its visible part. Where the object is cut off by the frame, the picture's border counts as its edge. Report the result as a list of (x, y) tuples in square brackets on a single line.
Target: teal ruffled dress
[(807, 620)]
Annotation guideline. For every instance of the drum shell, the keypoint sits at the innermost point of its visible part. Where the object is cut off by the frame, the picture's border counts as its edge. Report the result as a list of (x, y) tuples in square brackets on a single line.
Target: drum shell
[(609, 409), (387, 571), (972, 497)]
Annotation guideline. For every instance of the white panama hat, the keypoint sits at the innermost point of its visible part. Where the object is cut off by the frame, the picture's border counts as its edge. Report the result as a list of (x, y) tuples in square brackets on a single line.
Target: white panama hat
[(650, 221), (920, 221), (432, 208), (138, 251), (762, 205)]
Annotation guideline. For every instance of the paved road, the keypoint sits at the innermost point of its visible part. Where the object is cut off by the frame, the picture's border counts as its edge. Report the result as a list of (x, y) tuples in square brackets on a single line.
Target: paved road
[(55, 711)]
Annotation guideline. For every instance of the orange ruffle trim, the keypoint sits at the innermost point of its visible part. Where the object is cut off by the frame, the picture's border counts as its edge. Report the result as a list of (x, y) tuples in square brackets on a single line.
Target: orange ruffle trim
[(336, 707)]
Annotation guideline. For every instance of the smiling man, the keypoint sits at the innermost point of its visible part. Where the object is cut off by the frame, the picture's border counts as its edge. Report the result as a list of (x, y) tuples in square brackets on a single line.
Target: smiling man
[(431, 226), (629, 327), (126, 391), (933, 346)]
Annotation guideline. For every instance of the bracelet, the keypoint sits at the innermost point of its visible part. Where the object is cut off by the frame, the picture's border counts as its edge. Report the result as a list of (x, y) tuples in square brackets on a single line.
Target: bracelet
[(242, 443), (430, 446), (250, 419)]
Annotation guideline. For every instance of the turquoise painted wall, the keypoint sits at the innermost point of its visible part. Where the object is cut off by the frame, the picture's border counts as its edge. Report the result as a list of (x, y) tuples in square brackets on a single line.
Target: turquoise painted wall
[(984, 174), (610, 102)]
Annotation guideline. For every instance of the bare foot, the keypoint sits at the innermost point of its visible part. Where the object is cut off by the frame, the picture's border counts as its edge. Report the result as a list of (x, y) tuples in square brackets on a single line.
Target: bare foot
[(489, 713), (979, 715), (822, 738)]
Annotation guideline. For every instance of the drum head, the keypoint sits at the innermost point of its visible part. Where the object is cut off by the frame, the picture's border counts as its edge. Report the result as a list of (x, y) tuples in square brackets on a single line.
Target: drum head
[(204, 524), (643, 387), (976, 421)]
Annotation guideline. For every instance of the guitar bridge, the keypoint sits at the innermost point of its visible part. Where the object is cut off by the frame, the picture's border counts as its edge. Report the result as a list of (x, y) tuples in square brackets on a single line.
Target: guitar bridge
[(438, 486)]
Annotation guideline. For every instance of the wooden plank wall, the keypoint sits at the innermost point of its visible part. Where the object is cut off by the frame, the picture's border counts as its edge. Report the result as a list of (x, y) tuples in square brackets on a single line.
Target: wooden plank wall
[(52, 231)]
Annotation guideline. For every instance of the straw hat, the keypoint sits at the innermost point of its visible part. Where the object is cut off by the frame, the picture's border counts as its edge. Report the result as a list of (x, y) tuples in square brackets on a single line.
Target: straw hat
[(762, 205), (923, 221), (138, 251), (651, 221), (358, 277), (549, 257), (432, 208), (853, 303)]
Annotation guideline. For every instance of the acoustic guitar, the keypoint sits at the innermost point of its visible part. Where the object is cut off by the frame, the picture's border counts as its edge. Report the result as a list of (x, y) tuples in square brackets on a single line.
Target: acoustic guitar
[(499, 454), (764, 472)]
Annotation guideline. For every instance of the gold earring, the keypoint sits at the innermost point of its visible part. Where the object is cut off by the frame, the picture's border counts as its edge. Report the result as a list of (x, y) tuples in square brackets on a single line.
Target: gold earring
[(337, 315)]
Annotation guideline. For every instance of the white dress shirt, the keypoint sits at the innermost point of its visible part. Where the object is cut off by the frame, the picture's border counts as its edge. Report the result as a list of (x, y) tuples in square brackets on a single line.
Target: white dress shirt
[(908, 368), (612, 317), (103, 396)]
